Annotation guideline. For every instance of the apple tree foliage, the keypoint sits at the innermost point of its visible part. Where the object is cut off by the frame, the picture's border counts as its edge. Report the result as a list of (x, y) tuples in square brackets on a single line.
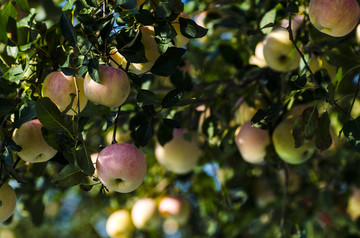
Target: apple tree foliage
[(196, 87)]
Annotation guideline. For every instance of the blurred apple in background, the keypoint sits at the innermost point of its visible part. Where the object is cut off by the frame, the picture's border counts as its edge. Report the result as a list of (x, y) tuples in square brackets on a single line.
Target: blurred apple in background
[(258, 59), (353, 206), (151, 53), (145, 214), (7, 202), (175, 208), (335, 18), (296, 22), (245, 112), (113, 89), (57, 86), (252, 143), (119, 225), (178, 155), (121, 167), (34, 147), (121, 136), (319, 62), (279, 52), (180, 39), (358, 33)]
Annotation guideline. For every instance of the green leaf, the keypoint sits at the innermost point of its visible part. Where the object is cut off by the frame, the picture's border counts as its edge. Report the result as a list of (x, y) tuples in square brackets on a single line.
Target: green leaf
[(126, 4), (190, 29), (69, 176), (49, 115), (268, 18), (83, 159), (7, 11), (323, 136), (145, 17), (23, 5), (293, 7), (67, 28), (68, 5), (82, 71), (166, 64), (144, 132), (305, 126), (165, 134), (265, 118), (136, 52), (26, 113), (146, 97), (351, 131), (172, 98), (172, 123), (93, 68)]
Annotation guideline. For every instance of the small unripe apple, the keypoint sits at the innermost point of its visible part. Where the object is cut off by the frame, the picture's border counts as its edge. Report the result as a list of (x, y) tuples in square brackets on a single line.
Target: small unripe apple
[(119, 224), (34, 147), (175, 208), (180, 39), (279, 52), (121, 167), (336, 18), (178, 155), (151, 53), (57, 86), (113, 89), (7, 202), (145, 214), (252, 143), (258, 59), (284, 144)]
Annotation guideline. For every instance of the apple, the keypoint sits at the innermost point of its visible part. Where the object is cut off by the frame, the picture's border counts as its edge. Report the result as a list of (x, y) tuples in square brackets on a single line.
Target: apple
[(279, 52), (358, 34), (353, 206), (7, 233), (284, 144), (258, 59), (34, 147), (245, 112), (145, 214), (319, 62), (151, 53), (178, 155), (296, 22), (121, 135), (252, 143), (175, 208), (180, 39), (113, 89), (119, 224), (121, 167), (7, 202), (335, 18), (204, 19), (57, 86)]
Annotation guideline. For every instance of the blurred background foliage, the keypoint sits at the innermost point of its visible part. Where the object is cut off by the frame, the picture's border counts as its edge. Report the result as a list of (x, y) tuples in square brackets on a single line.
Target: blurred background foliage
[(229, 197)]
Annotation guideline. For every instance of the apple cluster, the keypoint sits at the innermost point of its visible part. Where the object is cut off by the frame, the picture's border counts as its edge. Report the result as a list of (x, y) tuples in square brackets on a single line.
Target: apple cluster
[(147, 214)]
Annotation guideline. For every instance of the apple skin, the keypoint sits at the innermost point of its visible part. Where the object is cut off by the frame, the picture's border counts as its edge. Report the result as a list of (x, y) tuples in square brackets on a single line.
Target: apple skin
[(252, 143), (151, 53), (34, 147), (7, 202), (358, 34), (57, 86), (336, 18), (180, 39), (121, 167), (279, 52), (245, 112), (119, 224), (258, 59), (178, 155), (145, 214), (175, 208), (113, 89), (284, 144)]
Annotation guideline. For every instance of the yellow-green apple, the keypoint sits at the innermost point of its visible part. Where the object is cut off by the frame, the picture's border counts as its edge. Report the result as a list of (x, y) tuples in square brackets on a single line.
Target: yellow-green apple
[(7, 202), (252, 143), (7, 233), (258, 59), (130, 6), (284, 144), (151, 53), (279, 52), (178, 155), (145, 214), (34, 147), (121, 167), (336, 18), (319, 62), (57, 86), (113, 89), (180, 39), (353, 206), (245, 112), (175, 208), (119, 224), (358, 34)]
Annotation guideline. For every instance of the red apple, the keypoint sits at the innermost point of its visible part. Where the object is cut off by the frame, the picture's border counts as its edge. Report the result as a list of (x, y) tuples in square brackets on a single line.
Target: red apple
[(7, 202), (34, 147), (121, 167), (113, 89), (334, 17)]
